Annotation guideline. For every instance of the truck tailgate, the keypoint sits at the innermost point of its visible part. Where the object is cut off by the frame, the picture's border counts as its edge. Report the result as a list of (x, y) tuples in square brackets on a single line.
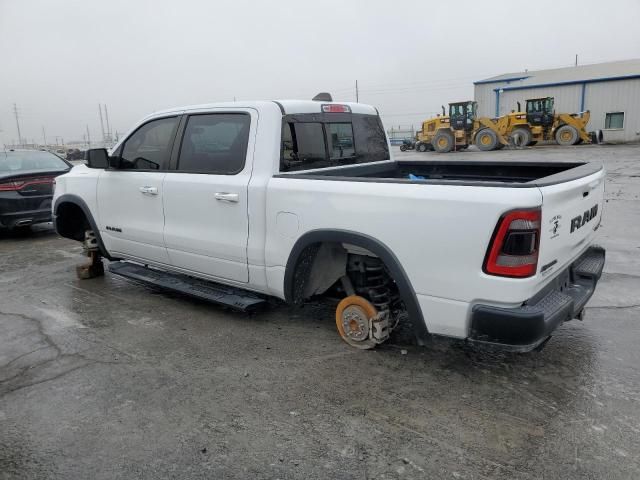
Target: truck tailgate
[(571, 213)]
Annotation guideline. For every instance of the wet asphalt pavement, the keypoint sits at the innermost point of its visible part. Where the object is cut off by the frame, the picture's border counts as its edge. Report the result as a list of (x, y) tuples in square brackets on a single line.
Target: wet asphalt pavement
[(106, 379)]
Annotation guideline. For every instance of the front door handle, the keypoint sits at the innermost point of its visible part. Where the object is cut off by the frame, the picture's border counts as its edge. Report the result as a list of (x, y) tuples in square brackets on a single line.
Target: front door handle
[(149, 190), (227, 197)]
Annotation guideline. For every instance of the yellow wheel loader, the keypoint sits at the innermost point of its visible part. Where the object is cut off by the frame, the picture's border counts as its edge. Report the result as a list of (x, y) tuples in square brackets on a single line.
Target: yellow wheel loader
[(458, 130), (540, 123)]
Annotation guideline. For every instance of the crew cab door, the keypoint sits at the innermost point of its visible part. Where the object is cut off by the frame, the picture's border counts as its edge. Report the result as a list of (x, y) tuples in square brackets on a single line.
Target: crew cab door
[(205, 195), (130, 210), (571, 214)]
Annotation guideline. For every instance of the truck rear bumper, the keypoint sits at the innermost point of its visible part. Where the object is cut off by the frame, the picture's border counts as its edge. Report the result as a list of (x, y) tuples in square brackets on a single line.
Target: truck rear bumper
[(525, 328)]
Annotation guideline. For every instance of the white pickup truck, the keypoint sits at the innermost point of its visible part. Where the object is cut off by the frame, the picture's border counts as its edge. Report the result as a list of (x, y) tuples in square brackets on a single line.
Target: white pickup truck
[(237, 202)]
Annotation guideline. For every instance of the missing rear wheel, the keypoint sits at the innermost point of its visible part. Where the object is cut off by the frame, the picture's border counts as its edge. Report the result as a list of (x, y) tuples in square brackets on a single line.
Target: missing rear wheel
[(354, 319)]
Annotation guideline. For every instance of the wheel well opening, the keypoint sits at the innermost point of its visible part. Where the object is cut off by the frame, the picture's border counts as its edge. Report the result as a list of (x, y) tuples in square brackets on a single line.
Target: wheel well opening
[(337, 269), (71, 222), (337, 265)]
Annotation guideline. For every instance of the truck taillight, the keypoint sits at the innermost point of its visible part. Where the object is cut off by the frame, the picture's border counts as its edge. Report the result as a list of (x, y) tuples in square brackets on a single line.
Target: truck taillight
[(513, 251)]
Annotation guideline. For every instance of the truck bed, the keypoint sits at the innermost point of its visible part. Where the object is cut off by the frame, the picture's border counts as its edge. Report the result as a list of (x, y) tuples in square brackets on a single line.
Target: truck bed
[(504, 174)]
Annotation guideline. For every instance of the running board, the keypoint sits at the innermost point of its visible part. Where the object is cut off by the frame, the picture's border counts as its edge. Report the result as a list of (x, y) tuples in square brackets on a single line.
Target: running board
[(232, 297)]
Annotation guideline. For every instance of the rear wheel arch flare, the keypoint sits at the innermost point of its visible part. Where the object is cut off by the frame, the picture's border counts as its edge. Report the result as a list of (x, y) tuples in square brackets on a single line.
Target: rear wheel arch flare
[(313, 239)]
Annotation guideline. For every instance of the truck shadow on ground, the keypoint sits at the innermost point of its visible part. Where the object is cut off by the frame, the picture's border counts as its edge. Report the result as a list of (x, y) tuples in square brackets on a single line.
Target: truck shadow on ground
[(572, 352), (572, 348)]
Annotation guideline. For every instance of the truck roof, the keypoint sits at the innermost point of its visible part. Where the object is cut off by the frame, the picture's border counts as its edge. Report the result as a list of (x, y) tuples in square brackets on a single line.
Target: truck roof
[(289, 106), (313, 106)]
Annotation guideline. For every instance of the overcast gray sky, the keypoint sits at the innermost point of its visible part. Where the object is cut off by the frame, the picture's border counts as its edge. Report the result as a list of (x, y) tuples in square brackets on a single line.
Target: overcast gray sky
[(59, 59)]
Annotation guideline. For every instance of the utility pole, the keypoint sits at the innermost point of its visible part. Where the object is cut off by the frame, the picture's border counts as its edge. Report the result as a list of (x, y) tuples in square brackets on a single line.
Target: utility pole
[(88, 137), (106, 115), (101, 121), (357, 93), (15, 112), (576, 59), (44, 136)]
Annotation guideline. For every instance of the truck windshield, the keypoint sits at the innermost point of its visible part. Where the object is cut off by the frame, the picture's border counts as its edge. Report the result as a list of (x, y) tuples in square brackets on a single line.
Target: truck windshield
[(312, 141)]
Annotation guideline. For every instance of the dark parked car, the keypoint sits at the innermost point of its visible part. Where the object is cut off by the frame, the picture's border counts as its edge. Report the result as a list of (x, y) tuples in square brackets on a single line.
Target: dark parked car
[(26, 186)]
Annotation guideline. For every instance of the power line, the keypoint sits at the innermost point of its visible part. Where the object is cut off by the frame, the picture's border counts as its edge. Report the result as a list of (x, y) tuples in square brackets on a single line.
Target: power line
[(15, 111), (432, 82), (408, 86), (434, 87), (408, 114), (101, 121), (106, 114)]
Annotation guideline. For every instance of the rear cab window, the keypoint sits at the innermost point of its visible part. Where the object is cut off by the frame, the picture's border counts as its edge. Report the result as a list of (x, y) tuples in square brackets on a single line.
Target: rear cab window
[(320, 140)]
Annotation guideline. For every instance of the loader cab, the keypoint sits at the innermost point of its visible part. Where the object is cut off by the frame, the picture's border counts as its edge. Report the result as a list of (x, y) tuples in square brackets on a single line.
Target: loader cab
[(462, 115), (540, 111)]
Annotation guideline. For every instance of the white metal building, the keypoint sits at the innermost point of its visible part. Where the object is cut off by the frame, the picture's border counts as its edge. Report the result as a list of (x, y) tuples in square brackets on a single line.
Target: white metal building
[(610, 91)]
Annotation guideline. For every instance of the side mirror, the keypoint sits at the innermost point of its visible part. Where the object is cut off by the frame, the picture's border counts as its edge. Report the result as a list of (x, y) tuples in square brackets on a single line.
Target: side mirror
[(97, 158)]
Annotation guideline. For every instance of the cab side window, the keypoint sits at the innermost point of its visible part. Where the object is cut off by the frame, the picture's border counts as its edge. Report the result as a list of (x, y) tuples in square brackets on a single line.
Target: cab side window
[(215, 143), (149, 148)]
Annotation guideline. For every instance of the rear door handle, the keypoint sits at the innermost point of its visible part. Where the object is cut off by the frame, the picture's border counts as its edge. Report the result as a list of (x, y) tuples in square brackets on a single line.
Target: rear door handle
[(149, 190), (227, 197)]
